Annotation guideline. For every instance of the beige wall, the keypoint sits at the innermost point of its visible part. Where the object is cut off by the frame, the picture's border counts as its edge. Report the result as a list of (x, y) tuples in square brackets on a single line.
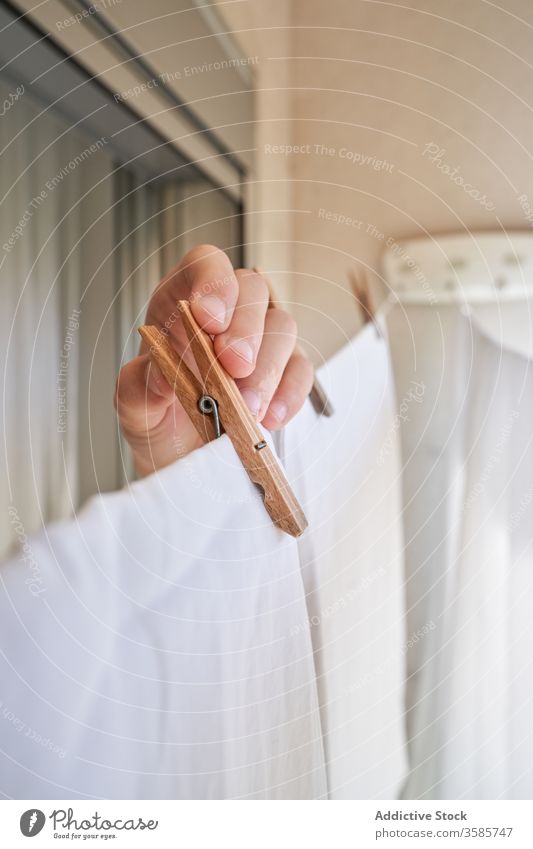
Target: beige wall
[(265, 30), (384, 80)]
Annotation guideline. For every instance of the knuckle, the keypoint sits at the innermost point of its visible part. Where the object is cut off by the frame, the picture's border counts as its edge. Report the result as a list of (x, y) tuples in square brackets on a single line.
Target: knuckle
[(305, 364), (284, 322), (263, 381), (199, 252), (309, 378), (253, 283), (306, 371), (302, 360)]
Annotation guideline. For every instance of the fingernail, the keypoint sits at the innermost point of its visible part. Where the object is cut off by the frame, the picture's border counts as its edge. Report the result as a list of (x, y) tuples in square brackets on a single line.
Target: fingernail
[(252, 400), (279, 410), (243, 349), (153, 377), (214, 306)]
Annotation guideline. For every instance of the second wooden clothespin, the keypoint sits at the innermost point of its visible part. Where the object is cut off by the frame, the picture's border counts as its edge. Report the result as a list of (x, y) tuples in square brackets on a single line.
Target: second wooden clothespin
[(214, 404), (361, 292)]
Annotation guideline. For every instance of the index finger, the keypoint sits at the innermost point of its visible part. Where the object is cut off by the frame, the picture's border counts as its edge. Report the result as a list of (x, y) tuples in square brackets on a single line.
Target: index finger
[(213, 287)]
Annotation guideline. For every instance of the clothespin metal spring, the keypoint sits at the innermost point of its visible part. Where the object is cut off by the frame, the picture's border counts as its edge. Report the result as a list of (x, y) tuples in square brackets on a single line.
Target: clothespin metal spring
[(209, 407)]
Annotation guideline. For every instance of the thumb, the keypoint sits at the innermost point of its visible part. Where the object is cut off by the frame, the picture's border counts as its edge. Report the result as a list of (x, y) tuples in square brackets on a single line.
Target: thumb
[(151, 417), (142, 396)]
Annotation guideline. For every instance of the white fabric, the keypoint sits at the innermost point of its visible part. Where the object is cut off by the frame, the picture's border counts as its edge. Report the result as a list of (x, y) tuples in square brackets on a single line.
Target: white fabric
[(509, 325), (346, 471), (468, 493), (164, 644), (157, 654)]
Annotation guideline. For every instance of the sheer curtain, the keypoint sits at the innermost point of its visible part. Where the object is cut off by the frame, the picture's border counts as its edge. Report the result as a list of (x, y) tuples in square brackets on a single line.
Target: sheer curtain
[(81, 245), (468, 516), (40, 278)]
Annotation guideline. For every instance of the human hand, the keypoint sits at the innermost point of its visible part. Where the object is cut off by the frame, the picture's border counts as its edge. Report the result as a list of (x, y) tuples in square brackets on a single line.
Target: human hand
[(256, 346)]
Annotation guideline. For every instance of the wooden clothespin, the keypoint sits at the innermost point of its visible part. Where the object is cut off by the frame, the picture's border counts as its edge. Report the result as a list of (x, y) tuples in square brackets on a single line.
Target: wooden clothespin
[(361, 292), (320, 401), (215, 405)]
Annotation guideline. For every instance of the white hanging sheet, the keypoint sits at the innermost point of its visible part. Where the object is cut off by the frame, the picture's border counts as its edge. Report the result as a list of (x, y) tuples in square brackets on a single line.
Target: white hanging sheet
[(165, 644), (469, 494), (346, 471)]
